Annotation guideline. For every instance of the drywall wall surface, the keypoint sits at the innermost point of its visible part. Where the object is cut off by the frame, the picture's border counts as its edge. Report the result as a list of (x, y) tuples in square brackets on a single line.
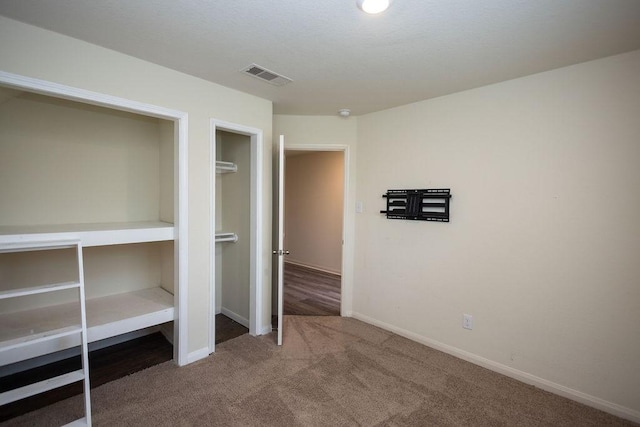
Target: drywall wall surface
[(313, 207), (67, 162), (42, 54), (326, 133), (166, 131), (542, 248), (36, 268)]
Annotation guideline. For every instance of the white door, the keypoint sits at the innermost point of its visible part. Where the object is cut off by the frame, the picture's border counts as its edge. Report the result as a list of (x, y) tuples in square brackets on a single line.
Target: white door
[(280, 252)]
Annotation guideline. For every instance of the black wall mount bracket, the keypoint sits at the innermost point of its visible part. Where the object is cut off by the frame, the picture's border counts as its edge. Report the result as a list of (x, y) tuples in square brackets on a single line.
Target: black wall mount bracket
[(418, 205)]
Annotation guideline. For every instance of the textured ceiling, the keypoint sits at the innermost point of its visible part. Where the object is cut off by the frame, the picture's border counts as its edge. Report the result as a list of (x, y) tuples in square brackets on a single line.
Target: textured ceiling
[(340, 57)]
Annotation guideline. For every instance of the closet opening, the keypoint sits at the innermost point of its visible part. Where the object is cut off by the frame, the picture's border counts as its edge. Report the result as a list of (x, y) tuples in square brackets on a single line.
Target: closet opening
[(108, 175), (313, 224), (236, 288), (104, 177)]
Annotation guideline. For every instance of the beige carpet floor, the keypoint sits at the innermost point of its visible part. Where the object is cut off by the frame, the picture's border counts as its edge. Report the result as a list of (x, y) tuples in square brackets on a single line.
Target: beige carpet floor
[(332, 371)]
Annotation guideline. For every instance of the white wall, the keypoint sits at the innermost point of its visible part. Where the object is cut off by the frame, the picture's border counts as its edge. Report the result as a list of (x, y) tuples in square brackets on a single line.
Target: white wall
[(66, 162), (326, 133), (314, 188), (543, 244), (37, 53)]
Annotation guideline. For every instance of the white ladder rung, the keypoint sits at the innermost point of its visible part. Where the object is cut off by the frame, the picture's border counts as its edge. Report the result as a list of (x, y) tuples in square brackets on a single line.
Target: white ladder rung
[(40, 387), (40, 337), (53, 287)]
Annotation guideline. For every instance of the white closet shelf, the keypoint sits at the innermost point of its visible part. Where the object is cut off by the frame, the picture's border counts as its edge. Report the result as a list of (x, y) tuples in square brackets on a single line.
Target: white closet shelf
[(107, 317), (98, 234)]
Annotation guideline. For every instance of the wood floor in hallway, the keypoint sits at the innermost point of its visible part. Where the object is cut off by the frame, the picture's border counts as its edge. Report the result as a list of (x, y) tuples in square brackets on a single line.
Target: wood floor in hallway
[(311, 292)]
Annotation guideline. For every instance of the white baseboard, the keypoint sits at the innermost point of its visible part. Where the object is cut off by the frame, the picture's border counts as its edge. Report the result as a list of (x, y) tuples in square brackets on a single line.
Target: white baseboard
[(313, 267), (234, 316), (266, 329), (569, 393), (194, 356)]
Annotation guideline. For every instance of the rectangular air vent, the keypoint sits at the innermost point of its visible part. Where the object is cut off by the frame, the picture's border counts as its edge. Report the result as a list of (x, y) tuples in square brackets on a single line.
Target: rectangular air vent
[(268, 76)]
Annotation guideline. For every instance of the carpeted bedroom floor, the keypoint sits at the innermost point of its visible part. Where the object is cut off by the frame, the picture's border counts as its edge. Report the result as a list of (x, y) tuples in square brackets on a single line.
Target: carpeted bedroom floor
[(332, 371)]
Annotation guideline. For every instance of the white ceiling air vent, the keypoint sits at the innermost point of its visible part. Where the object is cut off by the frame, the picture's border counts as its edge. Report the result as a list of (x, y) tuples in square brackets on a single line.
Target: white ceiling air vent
[(268, 76)]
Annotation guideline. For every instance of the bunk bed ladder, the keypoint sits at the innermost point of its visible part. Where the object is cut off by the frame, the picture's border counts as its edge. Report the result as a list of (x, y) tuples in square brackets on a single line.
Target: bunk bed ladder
[(38, 337)]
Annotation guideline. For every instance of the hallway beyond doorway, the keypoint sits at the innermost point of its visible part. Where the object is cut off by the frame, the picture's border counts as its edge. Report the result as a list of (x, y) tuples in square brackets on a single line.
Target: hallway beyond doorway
[(311, 292)]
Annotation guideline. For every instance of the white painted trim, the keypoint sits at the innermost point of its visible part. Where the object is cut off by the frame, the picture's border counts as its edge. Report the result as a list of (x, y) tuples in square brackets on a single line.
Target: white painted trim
[(345, 288), (194, 356), (212, 312), (280, 232), (180, 179), (266, 330), (103, 234), (181, 243), (235, 317), (312, 267), (516, 374), (256, 235), (57, 90)]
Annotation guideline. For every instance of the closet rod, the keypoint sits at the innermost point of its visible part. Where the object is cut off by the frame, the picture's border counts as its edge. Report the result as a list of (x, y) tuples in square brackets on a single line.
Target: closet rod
[(226, 167), (226, 237)]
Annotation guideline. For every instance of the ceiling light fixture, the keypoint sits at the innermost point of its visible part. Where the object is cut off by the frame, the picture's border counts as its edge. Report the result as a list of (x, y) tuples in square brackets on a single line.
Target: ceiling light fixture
[(345, 112), (373, 6)]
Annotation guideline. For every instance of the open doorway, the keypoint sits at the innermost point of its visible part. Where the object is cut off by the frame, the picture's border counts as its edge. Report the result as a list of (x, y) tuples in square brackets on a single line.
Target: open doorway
[(313, 232)]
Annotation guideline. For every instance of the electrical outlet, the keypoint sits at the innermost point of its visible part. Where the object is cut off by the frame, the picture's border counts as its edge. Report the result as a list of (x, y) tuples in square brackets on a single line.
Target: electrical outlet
[(467, 321)]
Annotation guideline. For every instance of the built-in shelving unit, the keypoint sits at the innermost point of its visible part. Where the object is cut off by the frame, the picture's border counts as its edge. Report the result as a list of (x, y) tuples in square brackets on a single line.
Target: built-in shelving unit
[(111, 180), (68, 325), (107, 316), (102, 234)]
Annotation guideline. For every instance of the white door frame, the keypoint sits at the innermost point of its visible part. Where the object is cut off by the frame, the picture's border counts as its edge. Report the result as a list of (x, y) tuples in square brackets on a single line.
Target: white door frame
[(257, 231), (344, 311), (180, 354)]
